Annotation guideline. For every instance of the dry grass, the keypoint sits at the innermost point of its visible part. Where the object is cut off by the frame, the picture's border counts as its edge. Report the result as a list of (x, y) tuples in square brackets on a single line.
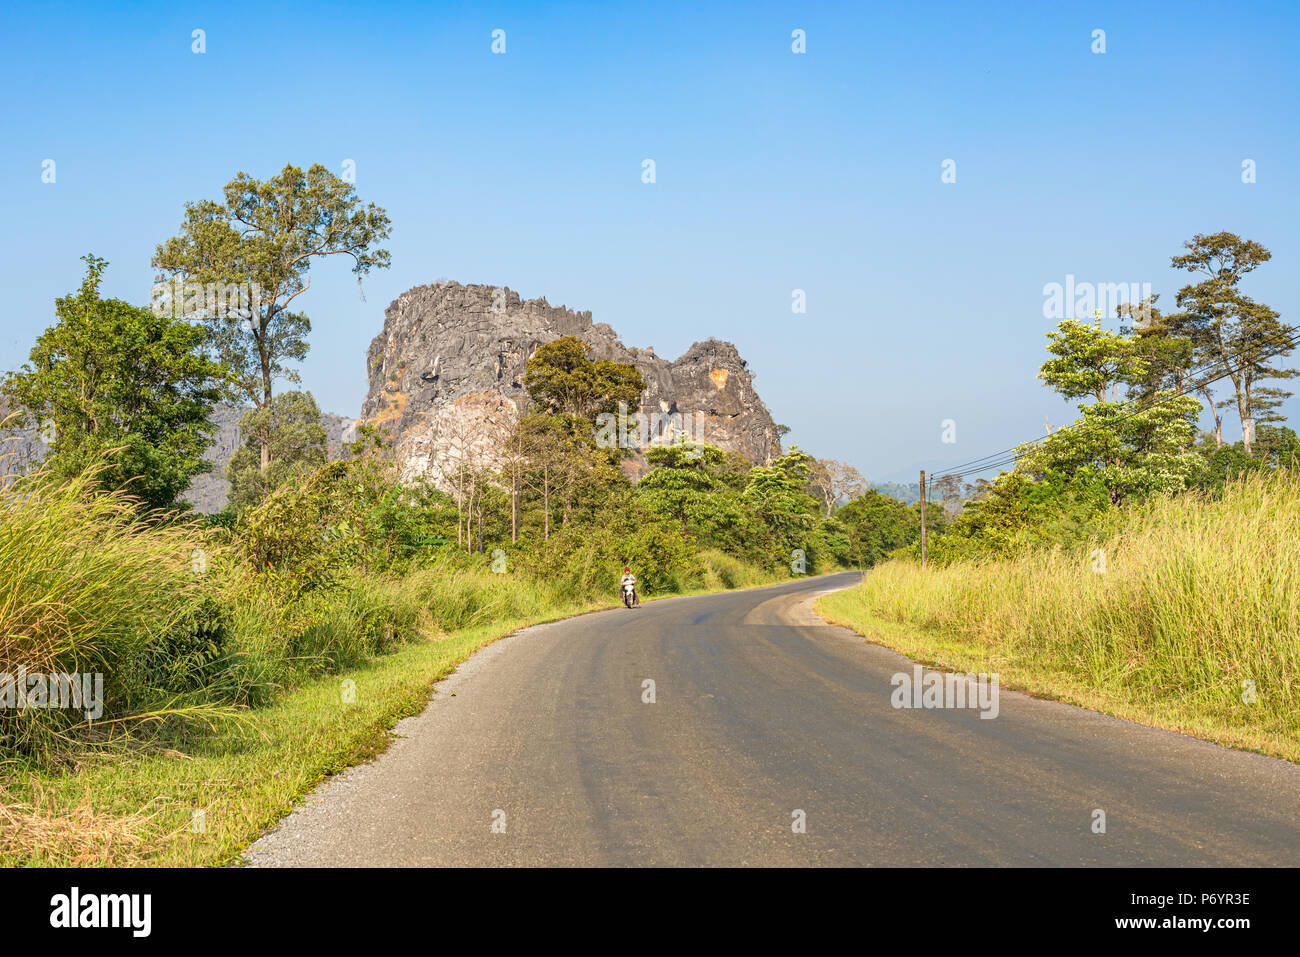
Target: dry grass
[(1196, 606), (42, 832)]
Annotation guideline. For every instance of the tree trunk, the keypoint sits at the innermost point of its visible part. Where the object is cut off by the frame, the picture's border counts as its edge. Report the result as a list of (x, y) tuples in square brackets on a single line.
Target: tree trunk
[(1246, 410), (266, 398), (460, 501), (469, 519), (546, 503), (1218, 419)]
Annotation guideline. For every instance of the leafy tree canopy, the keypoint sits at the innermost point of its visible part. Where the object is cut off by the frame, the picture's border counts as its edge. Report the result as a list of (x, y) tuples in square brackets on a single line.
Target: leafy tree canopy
[(267, 233), (562, 378), (123, 388), (290, 428)]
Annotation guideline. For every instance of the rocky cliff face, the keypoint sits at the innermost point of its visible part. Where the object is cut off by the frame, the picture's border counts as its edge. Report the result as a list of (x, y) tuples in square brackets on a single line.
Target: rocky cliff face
[(21, 449), (447, 372)]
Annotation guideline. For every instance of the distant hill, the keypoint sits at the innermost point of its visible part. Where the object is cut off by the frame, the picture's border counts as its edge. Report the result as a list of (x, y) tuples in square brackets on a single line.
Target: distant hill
[(907, 494)]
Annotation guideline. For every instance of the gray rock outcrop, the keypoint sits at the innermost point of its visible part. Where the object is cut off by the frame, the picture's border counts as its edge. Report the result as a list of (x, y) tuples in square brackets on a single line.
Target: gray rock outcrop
[(447, 378)]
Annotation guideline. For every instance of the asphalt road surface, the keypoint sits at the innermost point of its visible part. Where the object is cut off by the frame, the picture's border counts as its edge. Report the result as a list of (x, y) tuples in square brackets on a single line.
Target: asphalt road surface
[(547, 754)]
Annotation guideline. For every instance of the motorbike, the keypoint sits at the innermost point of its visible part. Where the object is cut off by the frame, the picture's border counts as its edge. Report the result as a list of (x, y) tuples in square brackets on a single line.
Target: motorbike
[(629, 595)]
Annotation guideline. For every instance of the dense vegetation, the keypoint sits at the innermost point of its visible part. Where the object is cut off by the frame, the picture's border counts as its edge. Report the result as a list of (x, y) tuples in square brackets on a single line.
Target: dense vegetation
[(1145, 390), (317, 566), (192, 620)]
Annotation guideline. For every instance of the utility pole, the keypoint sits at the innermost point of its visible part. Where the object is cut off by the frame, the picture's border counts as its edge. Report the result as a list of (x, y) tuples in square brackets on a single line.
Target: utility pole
[(922, 518)]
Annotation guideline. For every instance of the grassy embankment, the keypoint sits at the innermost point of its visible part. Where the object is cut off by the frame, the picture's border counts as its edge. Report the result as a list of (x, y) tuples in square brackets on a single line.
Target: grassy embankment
[(1198, 605), (222, 698)]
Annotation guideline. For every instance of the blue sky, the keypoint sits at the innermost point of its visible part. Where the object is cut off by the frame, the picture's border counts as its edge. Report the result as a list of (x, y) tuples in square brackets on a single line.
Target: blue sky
[(775, 171)]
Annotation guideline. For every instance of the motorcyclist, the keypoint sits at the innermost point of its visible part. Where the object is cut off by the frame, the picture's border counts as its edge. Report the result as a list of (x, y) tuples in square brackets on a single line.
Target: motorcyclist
[(629, 579)]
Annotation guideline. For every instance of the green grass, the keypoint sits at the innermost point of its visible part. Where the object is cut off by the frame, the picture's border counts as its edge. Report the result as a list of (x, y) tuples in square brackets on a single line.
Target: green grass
[(86, 587), (1199, 601), (138, 809), (723, 571)]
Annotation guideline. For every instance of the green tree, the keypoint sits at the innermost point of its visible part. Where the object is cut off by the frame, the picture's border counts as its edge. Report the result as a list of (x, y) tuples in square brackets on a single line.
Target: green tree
[(1239, 336), (877, 525), (123, 388), (1278, 445), (266, 233), (683, 485), (1164, 347), (1018, 511), (563, 379), (786, 513), (562, 464), (290, 429), (1089, 361), (1135, 448)]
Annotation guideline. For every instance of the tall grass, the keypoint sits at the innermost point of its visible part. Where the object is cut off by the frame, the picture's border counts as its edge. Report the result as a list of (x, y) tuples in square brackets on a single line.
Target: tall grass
[(723, 571), (361, 618), (87, 588), (1192, 609)]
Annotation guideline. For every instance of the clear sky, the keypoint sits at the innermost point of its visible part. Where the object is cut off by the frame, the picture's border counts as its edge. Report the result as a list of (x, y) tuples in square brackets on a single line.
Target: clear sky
[(775, 171)]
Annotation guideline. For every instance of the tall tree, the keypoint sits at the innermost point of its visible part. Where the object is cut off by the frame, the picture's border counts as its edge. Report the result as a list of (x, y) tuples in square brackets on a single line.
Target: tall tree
[(562, 378), (568, 390), (832, 482), (1241, 337), (1168, 346), (266, 233), (125, 389)]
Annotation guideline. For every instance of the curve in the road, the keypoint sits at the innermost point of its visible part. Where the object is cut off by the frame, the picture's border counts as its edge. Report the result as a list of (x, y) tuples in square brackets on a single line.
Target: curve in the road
[(550, 753)]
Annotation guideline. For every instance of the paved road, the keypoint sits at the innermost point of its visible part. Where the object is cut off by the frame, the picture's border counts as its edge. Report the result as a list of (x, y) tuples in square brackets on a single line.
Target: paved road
[(761, 710)]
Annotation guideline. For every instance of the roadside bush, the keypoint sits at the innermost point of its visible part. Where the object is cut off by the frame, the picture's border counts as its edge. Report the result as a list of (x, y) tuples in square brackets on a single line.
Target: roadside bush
[(188, 655), (588, 561), (348, 516)]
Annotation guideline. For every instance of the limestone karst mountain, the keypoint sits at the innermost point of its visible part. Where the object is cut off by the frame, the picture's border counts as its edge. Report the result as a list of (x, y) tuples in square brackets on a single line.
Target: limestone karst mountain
[(447, 371)]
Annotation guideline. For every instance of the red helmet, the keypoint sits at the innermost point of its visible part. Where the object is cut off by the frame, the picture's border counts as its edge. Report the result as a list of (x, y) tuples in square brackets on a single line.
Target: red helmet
[(627, 569)]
